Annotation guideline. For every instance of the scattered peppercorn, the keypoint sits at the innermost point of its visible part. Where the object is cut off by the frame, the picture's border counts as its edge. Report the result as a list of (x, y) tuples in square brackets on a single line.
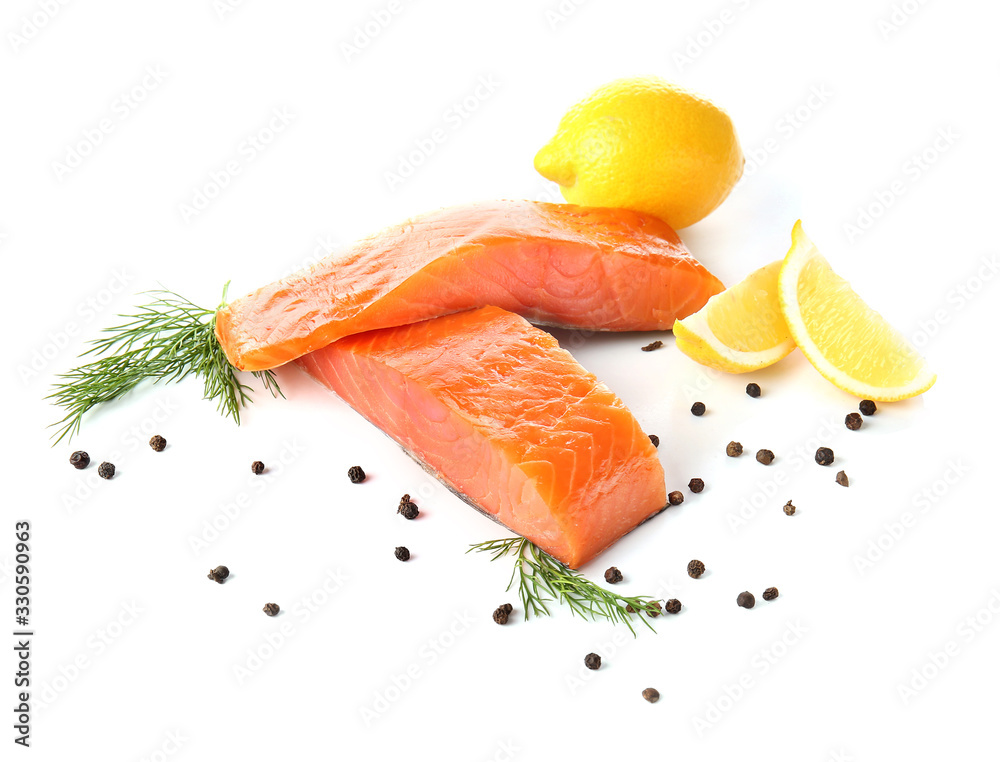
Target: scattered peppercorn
[(106, 470), (356, 474), (675, 498), (654, 345), (257, 467), (853, 421), (79, 459), (655, 440), (651, 695), (613, 576), (867, 407), (745, 599), (501, 615), (770, 594), (765, 456), (824, 456), (219, 574), (753, 390), (593, 661), (842, 479), (653, 609), (408, 510), (629, 609), (673, 606), (698, 408), (789, 509), (696, 569), (402, 553), (734, 449), (696, 485), (272, 609), (157, 443), (507, 607)]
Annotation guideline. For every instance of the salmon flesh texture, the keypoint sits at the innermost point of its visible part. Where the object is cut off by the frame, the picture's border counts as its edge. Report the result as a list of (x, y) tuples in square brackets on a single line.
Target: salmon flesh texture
[(497, 411), (556, 264)]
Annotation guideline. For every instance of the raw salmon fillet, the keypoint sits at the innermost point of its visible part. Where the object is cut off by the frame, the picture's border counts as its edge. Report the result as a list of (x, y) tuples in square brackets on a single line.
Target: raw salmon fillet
[(556, 264), (495, 409)]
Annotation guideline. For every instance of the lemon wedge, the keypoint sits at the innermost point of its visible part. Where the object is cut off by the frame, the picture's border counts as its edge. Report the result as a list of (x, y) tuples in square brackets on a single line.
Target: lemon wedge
[(741, 329), (847, 341)]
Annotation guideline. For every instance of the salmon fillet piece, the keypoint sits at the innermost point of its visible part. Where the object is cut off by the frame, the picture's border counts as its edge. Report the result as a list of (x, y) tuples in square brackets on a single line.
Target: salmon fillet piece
[(493, 407), (556, 264)]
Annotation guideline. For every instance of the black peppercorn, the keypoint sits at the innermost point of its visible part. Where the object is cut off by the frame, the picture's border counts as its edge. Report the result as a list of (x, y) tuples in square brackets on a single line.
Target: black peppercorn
[(770, 594), (507, 607), (500, 616), (654, 345), (734, 449), (79, 459), (408, 510), (789, 509), (853, 421), (867, 407), (356, 474), (403, 553), (219, 574), (157, 443), (651, 695), (106, 470), (696, 485), (698, 408), (765, 456), (257, 467), (675, 498), (842, 479), (629, 609), (272, 609), (612, 576), (655, 440), (593, 661), (673, 606), (824, 456), (653, 609), (753, 390), (696, 569), (745, 599)]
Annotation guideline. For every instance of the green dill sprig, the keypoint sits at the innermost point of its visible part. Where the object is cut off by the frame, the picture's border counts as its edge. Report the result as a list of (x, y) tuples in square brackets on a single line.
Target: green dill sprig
[(542, 579), (164, 341)]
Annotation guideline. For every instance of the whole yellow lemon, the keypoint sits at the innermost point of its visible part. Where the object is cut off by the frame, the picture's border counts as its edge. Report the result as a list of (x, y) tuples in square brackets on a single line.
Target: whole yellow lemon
[(648, 145)]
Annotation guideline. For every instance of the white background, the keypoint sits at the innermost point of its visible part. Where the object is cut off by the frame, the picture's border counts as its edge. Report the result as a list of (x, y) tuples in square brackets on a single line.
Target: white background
[(822, 666)]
